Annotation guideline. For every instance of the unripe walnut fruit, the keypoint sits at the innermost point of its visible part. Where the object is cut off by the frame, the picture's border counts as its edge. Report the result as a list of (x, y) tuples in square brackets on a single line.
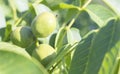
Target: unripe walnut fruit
[(22, 36), (44, 24), (44, 53)]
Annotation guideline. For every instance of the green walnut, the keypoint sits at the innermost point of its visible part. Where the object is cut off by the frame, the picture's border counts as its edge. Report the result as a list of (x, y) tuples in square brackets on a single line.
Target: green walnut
[(22, 36), (44, 24), (44, 53)]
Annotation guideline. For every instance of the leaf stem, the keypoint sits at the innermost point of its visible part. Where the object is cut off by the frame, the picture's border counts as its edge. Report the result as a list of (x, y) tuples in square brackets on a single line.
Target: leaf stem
[(53, 67), (20, 19), (64, 52), (73, 20), (86, 4)]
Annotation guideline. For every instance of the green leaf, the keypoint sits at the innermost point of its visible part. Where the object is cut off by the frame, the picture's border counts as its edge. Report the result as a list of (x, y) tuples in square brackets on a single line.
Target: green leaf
[(75, 2), (84, 23), (117, 67), (118, 70), (70, 14), (64, 50), (82, 2), (54, 2), (101, 2), (13, 48), (8, 31), (12, 63), (18, 60), (99, 14), (73, 35), (67, 60), (52, 39), (80, 56), (2, 33), (114, 4), (103, 52), (67, 6), (105, 49), (59, 57), (60, 37)]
